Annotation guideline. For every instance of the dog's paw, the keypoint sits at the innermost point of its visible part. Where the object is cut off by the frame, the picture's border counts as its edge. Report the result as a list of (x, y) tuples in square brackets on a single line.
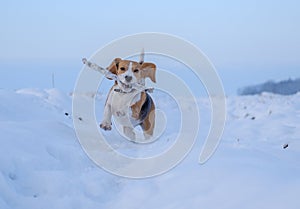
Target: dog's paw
[(105, 126)]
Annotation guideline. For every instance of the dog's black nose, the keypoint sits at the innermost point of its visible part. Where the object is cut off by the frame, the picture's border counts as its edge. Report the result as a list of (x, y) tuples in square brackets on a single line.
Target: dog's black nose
[(128, 78)]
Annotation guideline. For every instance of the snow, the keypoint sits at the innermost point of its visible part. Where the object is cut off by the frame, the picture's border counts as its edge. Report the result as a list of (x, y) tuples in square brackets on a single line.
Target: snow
[(42, 164)]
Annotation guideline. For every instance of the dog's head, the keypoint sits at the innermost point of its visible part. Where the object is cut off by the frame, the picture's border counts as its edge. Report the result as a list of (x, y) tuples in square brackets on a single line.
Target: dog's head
[(131, 72)]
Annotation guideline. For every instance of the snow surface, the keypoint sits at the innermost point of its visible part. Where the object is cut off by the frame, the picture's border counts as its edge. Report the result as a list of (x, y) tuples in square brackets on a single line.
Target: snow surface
[(42, 164)]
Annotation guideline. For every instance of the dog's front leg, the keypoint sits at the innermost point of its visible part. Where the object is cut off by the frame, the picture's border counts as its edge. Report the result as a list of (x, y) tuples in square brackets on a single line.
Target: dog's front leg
[(106, 122)]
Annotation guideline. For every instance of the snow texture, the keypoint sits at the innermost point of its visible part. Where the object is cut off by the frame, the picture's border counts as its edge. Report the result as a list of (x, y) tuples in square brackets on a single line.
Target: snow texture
[(256, 165)]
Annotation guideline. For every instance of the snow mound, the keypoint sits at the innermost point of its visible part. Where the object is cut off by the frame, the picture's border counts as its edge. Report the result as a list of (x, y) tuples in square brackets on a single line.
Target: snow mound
[(41, 160), (42, 165)]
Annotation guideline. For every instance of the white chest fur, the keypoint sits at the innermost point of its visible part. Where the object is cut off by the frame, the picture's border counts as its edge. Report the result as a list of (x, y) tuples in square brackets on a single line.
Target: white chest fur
[(120, 105)]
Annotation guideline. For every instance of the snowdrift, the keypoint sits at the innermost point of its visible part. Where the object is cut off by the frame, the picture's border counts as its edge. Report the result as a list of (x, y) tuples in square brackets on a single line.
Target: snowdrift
[(42, 164)]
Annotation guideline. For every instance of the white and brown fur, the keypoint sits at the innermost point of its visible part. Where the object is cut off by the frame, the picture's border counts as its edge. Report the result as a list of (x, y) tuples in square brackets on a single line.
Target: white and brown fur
[(127, 104)]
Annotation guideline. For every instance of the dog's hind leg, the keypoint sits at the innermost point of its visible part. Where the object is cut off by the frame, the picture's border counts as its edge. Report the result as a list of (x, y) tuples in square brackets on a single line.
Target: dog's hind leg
[(129, 132), (148, 124)]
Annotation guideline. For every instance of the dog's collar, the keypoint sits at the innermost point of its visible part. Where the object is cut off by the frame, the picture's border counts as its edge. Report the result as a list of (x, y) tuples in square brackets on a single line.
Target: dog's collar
[(123, 92), (150, 90)]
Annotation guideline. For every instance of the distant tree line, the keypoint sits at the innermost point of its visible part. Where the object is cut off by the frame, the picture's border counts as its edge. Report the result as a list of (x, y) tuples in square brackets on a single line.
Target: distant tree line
[(286, 87)]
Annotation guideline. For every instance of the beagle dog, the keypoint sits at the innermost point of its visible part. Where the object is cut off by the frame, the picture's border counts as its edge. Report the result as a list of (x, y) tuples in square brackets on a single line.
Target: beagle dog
[(130, 106)]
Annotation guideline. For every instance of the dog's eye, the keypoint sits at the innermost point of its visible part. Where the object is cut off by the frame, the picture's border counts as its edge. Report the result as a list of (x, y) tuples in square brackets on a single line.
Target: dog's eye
[(122, 68), (136, 70)]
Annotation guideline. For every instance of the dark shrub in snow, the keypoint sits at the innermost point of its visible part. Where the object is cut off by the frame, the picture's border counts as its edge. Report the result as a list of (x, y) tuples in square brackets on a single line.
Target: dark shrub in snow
[(286, 87)]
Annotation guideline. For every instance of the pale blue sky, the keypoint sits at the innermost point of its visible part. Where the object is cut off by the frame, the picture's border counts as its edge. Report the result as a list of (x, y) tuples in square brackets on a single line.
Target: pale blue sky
[(248, 41)]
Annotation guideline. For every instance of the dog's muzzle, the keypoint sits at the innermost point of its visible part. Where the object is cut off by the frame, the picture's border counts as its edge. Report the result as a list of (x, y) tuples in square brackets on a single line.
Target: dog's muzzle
[(128, 78), (126, 86)]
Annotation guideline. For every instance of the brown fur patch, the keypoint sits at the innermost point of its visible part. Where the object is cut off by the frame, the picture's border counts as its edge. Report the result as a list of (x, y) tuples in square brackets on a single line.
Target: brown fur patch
[(136, 107)]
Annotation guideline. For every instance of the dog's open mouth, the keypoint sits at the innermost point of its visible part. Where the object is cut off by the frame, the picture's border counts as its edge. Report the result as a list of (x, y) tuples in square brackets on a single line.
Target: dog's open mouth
[(126, 86)]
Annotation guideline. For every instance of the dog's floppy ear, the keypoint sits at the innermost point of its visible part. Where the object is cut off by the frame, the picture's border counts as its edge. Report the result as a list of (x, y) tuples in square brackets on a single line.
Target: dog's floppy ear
[(113, 67), (148, 70)]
